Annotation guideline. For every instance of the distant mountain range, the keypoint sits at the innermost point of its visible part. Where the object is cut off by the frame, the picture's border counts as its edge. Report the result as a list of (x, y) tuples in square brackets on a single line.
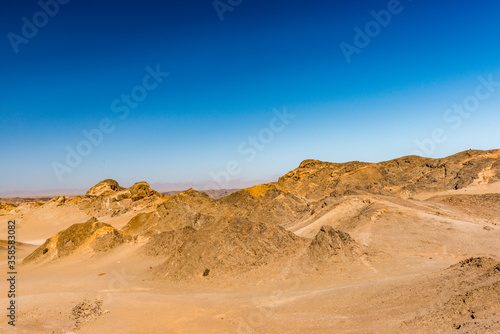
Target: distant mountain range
[(171, 188)]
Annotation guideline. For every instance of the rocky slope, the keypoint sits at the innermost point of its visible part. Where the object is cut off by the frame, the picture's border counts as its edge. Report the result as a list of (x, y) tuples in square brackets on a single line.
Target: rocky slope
[(90, 237), (474, 206), (404, 176), (468, 298), (194, 209), (330, 243), (314, 184), (228, 249)]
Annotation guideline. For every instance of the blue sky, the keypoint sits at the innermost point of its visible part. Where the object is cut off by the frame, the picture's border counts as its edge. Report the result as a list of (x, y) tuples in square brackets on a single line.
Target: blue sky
[(226, 80)]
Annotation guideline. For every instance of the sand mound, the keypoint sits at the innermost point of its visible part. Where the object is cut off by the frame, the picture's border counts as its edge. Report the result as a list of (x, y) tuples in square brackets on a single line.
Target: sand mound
[(92, 236), (330, 242), (333, 252), (227, 248)]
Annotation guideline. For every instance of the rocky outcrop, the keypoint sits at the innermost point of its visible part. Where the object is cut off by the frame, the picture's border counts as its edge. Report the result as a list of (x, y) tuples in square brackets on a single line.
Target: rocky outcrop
[(91, 236), (104, 188), (5, 208), (330, 242), (263, 203), (229, 248), (142, 190), (107, 198), (403, 177), (188, 209)]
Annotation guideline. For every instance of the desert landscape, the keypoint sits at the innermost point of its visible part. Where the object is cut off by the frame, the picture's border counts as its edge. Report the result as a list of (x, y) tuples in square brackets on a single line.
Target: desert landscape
[(250, 167), (409, 245)]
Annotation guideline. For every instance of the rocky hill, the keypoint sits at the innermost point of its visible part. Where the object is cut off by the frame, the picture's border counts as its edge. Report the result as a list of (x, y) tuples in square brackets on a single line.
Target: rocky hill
[(195, 209), (228, 249), (330, 243), (91, 236), (213, 193), (403, 177)]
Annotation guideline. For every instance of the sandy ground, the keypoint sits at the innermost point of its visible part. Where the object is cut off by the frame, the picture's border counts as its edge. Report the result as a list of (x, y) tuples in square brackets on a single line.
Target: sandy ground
[(300, 305)]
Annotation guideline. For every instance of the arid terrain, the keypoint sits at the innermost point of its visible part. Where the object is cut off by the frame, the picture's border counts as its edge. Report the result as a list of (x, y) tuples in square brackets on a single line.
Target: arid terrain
[(410, 245)]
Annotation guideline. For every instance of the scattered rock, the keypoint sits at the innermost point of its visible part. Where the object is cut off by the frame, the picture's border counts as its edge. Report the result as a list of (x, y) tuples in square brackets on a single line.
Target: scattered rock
[(86, 312)]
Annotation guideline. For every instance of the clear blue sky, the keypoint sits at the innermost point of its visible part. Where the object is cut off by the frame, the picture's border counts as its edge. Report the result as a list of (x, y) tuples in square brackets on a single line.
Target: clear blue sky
[(226, 78)]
